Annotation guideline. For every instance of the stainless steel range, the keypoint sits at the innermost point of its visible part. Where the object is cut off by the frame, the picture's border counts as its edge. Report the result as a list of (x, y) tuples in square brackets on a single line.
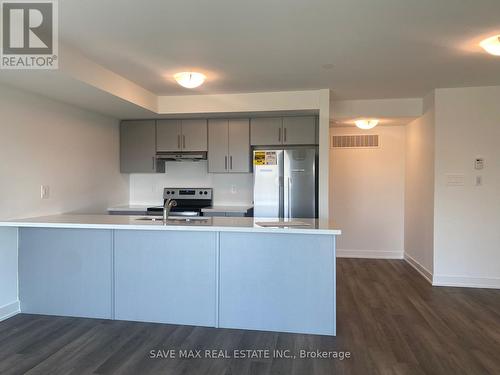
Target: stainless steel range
[(190, 201)]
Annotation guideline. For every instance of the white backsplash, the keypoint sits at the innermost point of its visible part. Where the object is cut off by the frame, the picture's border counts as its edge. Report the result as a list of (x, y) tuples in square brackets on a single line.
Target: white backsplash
[(229, 188)]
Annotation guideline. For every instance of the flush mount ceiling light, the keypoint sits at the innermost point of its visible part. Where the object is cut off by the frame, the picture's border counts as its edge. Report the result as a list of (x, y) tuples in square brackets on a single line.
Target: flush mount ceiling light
[(491, 45), (366, 124), (189, 80)]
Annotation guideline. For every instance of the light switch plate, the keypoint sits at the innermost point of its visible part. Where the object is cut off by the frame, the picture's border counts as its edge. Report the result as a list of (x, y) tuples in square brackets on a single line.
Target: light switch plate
[(44, 191)]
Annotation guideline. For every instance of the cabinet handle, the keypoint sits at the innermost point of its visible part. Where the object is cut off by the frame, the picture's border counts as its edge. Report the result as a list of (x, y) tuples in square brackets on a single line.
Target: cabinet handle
[(178, 141), (279, 135), (225, 162), (231, 162), (285, 135), (183, 141), (153, 158)]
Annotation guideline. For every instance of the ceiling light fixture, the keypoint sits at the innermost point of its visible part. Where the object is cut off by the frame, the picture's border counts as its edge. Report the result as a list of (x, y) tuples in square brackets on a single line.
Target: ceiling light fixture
[(190, 80), (366, 124), (491, 45)]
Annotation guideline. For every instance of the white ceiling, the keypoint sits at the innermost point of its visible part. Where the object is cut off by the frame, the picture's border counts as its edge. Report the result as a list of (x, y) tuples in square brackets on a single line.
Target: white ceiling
[(377, 49)]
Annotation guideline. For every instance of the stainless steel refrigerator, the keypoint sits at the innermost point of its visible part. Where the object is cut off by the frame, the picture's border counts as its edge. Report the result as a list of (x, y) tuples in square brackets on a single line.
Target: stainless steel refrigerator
[(285, 182)]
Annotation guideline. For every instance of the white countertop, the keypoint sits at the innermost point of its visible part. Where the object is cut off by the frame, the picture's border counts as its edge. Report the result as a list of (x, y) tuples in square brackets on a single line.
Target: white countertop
[(217, 224)]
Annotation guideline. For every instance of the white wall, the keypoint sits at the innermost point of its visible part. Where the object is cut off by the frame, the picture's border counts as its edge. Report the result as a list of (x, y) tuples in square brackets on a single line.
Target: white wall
[(419, 190), (467, 218), (378, 108), (148, 188), (368, 194), (244, 102), (73, 151)]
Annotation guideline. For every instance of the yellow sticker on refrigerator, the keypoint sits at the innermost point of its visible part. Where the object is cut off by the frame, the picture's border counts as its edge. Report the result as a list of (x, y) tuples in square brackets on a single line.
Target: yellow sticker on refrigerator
[(265, 158)]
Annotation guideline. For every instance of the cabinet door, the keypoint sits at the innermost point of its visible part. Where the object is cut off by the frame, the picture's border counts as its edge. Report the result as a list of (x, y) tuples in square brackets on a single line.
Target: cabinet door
[(66, 272), (168, 135), (266, 131), (300, 130), (194, 135), (239, 146), (137, 147), (165, 277), (217, 146)]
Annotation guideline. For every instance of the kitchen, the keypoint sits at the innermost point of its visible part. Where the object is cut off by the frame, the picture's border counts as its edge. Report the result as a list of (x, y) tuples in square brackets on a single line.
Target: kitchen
[(250, 182), (231, 147)]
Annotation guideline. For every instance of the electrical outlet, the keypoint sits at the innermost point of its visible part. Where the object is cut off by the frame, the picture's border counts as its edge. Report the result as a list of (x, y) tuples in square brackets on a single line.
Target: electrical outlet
[(44, 191), (233, 189), (479, 180)]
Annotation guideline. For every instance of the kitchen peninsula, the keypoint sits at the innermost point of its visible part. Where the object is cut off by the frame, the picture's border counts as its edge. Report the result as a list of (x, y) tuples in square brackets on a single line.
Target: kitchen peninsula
[(226, 272)]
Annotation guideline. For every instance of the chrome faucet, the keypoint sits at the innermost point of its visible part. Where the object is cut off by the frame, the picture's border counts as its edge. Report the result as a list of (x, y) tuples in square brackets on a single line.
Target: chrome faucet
[(167, 206)]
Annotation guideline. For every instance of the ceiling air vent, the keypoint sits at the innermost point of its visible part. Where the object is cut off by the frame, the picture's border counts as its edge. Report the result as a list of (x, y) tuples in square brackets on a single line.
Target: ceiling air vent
[(355, 141)]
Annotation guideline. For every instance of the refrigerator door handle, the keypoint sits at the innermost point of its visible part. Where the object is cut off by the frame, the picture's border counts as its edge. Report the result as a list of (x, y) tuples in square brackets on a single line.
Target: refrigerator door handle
[(289, 199), (281, 208)]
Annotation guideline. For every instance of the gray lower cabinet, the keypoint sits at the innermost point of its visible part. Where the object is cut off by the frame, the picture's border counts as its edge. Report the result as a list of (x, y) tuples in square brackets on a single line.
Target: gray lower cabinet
[(66, 272), (181, 135), (261, 281), (276, 282), (138, 146), (229, 146), (166, 277), (278, 131)]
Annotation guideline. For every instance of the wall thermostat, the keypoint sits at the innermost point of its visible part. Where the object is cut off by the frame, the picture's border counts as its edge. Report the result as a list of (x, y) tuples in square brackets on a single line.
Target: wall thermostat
[(478, 163)]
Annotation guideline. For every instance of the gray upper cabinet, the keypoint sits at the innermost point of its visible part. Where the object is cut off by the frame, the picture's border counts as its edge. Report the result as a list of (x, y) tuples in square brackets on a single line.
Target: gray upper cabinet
[(168, 133), (194, 135), (300, 130), (218, 140), (137, 146), (239, 145), (229, 146), (266, 131), (277, 131), (181, 135)]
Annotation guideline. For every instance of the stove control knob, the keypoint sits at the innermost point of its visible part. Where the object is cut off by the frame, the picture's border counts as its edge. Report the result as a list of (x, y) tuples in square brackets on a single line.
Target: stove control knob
[(206, 192), (201, 192)]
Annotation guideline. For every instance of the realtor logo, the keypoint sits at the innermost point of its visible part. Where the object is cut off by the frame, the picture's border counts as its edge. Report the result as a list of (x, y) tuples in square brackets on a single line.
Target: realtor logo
[(29, 34)]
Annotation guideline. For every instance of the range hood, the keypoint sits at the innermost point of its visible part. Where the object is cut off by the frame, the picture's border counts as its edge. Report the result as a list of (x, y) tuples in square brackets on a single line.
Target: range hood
[(181, 156)]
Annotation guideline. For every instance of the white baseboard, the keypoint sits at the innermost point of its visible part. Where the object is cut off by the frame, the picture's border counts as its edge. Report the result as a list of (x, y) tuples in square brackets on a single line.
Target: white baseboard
[(369, 254), (466, 282), (419, 268), (9, 310)]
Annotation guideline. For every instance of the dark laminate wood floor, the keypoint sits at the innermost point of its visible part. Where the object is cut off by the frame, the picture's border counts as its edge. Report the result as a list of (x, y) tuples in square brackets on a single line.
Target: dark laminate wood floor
[(389, 318)]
